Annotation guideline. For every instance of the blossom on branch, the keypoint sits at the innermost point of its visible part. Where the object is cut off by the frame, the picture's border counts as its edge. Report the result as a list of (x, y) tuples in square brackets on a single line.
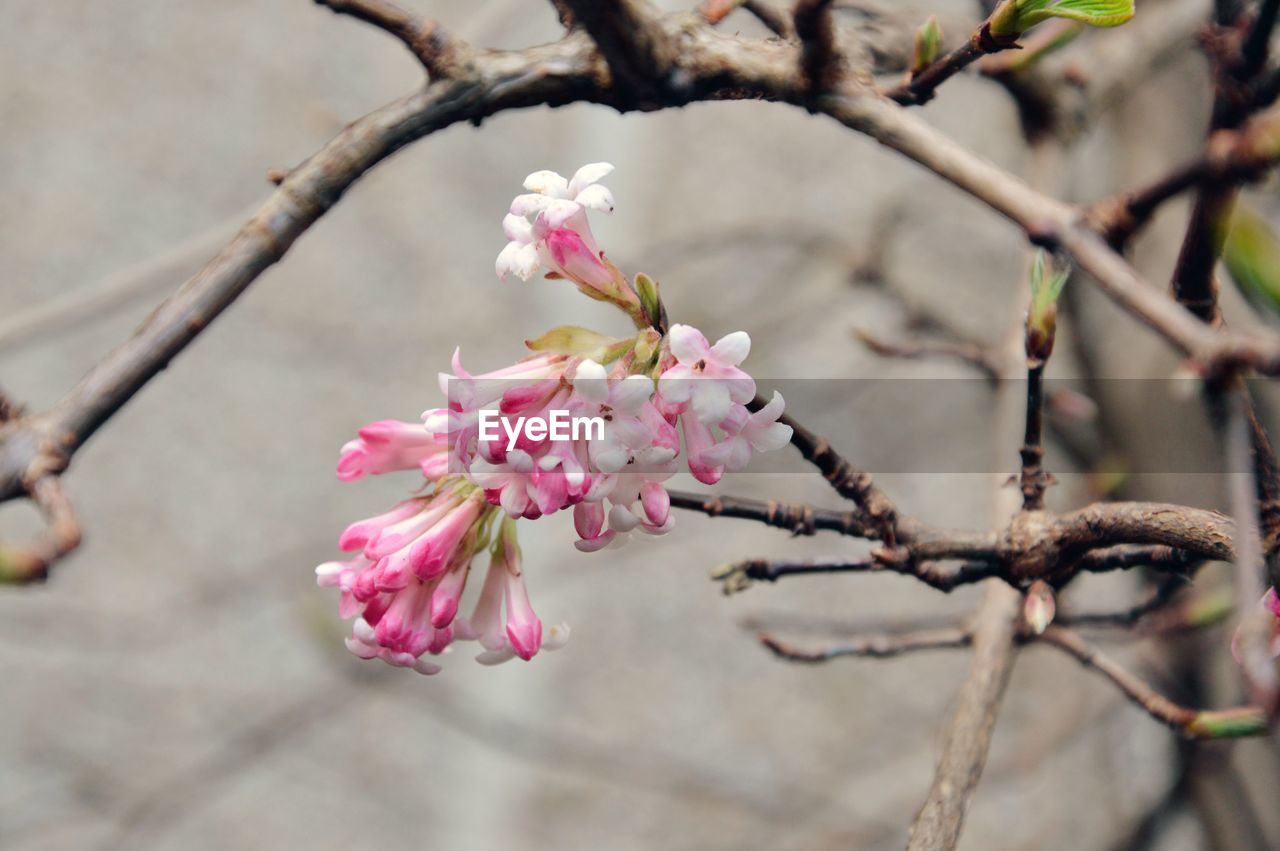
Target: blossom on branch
[(408, 572)]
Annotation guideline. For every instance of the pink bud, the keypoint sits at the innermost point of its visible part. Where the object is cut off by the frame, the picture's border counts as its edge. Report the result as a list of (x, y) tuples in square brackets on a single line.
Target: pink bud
[(444, 602), (656, 501), (524, 630), (588, 519), (575, 260)]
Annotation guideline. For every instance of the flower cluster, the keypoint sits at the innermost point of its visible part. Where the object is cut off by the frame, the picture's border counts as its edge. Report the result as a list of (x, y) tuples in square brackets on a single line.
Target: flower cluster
[(409, 566)]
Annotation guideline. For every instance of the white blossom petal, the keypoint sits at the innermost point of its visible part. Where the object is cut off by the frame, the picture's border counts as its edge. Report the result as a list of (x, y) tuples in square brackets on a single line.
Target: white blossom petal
[(630, 394), (559, 214), (732, 349), (622, 519), (517, 228), (771, 437), (556, 637), (525, 205), (595, 198), (687, 343), (710, 400), (587, 175), (519, 260), (547, 183)]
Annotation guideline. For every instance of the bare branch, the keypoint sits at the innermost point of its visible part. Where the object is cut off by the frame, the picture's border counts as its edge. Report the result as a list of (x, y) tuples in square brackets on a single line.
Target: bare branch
[(857, 486), (631, 39), (1128, 557), (819, 60), (922, 87), (1257, 43), (1159, 599), (872, 646), (1192, 723), (964, 754), (737, 576), (425, 38), (971, 354), (61, 535)]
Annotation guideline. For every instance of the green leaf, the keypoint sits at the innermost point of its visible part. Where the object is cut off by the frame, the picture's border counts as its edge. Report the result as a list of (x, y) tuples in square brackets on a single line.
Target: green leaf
[(580, 342), (1252, 257), (928, 43), (1014, 17)]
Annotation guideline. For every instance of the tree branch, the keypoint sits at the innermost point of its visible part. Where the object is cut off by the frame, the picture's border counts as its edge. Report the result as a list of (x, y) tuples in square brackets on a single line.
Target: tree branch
[(819, 60), (873, 646), (1192, 723), (632, 40), (964, 754), (921, 88), (971, 354), (425, 38), (738, 576)]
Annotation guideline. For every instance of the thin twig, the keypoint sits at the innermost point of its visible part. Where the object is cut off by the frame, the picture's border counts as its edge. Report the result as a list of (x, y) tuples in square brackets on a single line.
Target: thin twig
[(1165, 592), (971, 354), (922, 87), (1192, 723), (871, 646), (425, 38), (737, 576), (61, 535)]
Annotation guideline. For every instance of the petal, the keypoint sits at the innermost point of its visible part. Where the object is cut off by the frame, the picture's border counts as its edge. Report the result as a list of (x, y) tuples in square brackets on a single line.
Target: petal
[(595, 198), (675, 385), (687, 344), (560, 214), (591, 382), (517, 228), (631, 393), (597, 543), (710, 400), (769, 438), (621, 519), (587, 175), (547, 183), (525, 205), (732, 349), (517, 259), (556, 637), (770, 412)]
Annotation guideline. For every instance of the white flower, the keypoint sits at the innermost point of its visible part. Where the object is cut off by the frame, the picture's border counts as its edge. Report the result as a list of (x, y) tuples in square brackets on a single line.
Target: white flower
[(551, 204), (707, 375), (745, 432)]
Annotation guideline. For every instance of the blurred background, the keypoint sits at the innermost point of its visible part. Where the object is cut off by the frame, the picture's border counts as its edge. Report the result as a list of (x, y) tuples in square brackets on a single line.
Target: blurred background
[(181, 682)]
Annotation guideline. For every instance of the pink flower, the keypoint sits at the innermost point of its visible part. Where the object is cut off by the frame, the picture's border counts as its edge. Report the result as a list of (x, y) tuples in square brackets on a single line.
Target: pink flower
[(390, 445), (746, 432), (520, 632), (405, 586), (559, 235), (707, 376)]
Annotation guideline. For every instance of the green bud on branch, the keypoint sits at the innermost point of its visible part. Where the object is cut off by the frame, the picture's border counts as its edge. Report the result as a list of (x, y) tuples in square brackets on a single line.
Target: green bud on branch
[(928, 44), (1042, 316)]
